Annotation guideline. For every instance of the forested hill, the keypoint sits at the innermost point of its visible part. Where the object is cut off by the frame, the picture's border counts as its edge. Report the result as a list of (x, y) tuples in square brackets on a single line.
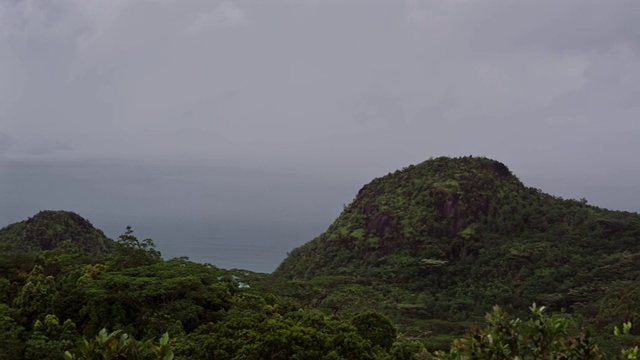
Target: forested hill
[(49, 229), (435, 210), (411, 264), (450, 237)]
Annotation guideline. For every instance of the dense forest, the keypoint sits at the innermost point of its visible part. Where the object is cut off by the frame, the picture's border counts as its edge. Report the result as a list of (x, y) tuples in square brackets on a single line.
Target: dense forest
[(436, 245), (453, 258)]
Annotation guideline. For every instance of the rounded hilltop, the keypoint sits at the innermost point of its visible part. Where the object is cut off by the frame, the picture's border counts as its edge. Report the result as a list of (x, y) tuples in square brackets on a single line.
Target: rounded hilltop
[(419, 211), (49, 229), (454, 214)]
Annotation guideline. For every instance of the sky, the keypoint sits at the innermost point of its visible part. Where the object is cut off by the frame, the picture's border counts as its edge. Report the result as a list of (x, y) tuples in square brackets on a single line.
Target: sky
[(278, 111)]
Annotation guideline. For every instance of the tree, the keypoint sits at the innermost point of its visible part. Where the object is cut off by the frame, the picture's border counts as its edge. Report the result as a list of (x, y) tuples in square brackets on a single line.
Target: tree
[(131, 252), (541, 337), (10, 335), (376, 328), (110, 346), (150, 299), (38, 295), (49, 339)]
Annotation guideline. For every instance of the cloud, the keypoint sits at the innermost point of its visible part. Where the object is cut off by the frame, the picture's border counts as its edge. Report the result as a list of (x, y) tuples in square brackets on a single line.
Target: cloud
[(612, 82), (227, 14), (282, 109), (436, 110), (35, 20), (375, 110), (43, 147), (31, 147), (355, 88), (415, 14), (6, 142)]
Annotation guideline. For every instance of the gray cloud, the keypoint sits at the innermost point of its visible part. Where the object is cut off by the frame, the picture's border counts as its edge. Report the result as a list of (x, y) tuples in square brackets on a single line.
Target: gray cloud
[(572, 26), (5, 143), (46, 147), (227, 14), (336, 91)]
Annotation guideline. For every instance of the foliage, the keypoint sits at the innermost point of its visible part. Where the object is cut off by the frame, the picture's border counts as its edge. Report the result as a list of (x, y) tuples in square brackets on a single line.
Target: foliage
[(11, 334), (450, 237), (410, 265), (376, 328), (48, 229), (152, 298), (49, 339), (107, 345), (208, 314), (130, 252), (541, 337)]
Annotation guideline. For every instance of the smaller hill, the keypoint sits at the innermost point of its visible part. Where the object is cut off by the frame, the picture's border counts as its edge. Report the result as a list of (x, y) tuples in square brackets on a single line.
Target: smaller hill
[(48, 229)]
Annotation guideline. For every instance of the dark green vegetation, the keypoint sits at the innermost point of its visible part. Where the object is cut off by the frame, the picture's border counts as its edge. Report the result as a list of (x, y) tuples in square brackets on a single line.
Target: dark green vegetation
[(412, 264), (48, 230), (435, 245), (72, 302)]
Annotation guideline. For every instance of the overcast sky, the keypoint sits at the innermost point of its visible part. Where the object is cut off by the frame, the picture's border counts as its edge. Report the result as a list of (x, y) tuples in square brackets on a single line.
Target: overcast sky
[(281, 110)]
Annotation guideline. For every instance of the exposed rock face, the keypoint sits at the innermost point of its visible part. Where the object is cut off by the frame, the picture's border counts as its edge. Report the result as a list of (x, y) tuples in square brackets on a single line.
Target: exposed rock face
[(422, 209), (451, 237)]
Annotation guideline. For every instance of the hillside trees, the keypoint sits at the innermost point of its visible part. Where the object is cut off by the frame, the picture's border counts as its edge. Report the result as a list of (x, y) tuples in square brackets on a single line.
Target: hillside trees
[(48, 229), (152, 298), (540, 337), (65, 302), (11, 334), (130, 252), (411, 264), (117, 345), (287, 335), (450, 237)]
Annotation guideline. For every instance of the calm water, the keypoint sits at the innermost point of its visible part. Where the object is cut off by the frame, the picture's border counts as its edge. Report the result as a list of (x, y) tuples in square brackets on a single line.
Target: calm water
[(253, 245), (230, 216)]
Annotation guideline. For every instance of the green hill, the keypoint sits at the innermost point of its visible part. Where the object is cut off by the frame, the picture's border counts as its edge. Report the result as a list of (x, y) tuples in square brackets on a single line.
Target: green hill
[(450, 237), (48, 229), (414, 262)]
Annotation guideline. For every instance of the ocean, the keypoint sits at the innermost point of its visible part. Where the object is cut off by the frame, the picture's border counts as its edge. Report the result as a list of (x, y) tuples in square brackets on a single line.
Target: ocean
[(251, 245), (229, 216)]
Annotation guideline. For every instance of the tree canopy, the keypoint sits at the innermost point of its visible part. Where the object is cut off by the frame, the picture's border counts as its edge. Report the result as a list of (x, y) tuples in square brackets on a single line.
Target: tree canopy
[(405, 272)]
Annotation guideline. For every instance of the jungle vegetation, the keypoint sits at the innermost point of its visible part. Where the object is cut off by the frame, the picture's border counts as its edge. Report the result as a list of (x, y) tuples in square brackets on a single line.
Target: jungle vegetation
[(439, 260)]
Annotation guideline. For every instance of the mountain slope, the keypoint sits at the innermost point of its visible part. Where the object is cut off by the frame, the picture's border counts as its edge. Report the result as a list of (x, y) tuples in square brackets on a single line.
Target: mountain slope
[(48, 229), (450, 237), (410, 212)]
